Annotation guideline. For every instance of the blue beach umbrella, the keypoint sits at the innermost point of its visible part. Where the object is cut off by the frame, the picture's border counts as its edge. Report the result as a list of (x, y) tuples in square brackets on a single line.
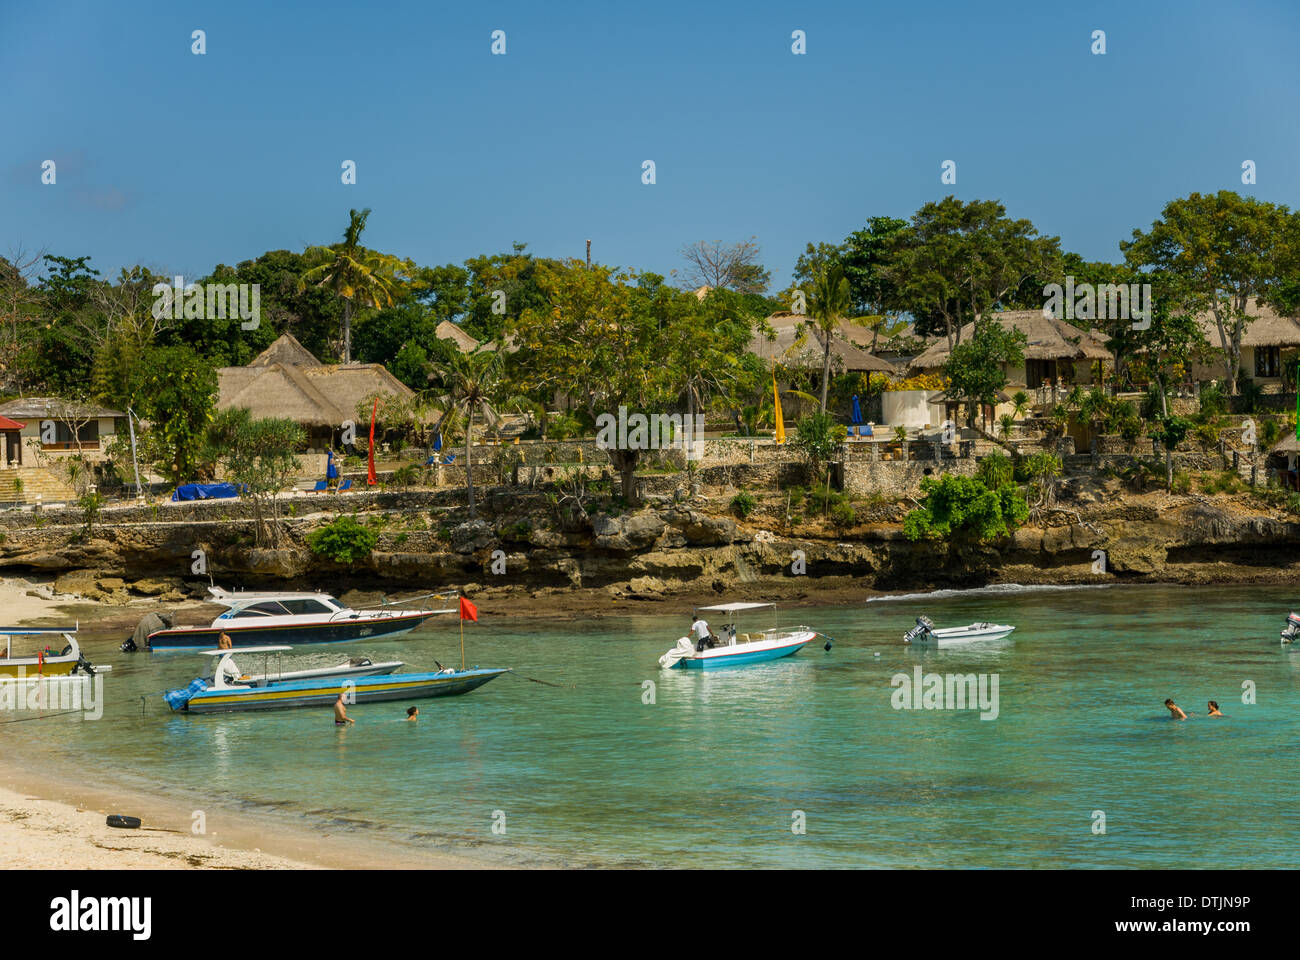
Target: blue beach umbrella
[(331, 471), (856, 417), (437, 442)]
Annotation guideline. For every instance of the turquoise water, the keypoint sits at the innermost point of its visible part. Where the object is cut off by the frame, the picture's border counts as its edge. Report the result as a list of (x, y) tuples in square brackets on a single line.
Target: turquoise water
[(712, 772)]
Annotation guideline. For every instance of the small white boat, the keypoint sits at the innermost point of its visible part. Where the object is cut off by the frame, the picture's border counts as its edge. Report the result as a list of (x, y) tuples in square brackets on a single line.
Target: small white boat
[(926, 632), (731, 649)]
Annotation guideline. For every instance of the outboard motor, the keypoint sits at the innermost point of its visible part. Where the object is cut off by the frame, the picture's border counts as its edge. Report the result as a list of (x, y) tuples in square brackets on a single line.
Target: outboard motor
[(1291, 629), (923, 626)]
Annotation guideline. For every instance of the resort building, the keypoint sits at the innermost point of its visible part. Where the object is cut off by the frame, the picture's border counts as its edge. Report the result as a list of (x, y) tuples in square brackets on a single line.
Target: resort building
[(40, 427), (286, 380), (1055, 351), (799, 343), (1268, 342)]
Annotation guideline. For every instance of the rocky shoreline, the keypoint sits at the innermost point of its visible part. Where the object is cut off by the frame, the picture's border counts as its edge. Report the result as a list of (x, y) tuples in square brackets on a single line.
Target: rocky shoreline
[(585, 560)]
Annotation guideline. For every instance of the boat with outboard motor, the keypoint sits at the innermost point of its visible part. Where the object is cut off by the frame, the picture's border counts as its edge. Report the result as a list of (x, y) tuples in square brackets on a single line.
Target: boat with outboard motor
[(731, 649), (227, 691), (1291, 629), (255, 618), (43, 661), (926, 632)]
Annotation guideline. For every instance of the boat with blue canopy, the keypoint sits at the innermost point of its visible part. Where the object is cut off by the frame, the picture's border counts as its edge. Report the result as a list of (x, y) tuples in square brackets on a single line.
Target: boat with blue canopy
[(227, 690), (731, 648)]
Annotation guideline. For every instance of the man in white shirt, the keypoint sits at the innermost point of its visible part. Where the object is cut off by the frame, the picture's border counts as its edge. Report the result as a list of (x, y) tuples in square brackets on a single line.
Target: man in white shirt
[(703, 636)]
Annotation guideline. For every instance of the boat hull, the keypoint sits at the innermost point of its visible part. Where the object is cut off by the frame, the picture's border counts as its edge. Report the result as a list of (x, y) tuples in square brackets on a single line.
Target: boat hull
[(28, 669), (953, 636), (323, 693), (741, 654), (336, 631)]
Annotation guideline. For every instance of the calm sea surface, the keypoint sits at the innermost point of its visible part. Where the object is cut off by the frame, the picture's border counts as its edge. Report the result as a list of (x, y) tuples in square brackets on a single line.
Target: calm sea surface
[(713, 771)]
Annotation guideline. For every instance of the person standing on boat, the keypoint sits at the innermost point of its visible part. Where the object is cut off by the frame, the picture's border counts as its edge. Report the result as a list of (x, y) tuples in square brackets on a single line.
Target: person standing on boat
[(341, 718), (226, 666), (703, 636)]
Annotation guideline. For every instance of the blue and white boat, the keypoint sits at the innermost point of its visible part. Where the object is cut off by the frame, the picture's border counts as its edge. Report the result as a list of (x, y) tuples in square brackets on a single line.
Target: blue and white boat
[(226, 692), (730, 648)]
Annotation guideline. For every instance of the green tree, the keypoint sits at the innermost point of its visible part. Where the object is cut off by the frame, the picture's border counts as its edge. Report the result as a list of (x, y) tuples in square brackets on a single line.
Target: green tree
[(956, 261), (259, 454), (178, 390), (958, 507), (343, 540), (1221, 250), (471, 381), (361, 277), (830, 301), (977, 368)]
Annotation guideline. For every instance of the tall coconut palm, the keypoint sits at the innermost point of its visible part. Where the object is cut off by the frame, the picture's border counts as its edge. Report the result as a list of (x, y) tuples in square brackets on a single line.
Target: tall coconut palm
[(829, 301), (361, 277), (470, 382)]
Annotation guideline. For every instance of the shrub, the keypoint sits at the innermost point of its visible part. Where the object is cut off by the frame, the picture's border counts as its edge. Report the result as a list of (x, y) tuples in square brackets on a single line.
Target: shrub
[(843, 516), (344, 541), (995, 470), (743, 504), (1214, 402), (1130, 428)]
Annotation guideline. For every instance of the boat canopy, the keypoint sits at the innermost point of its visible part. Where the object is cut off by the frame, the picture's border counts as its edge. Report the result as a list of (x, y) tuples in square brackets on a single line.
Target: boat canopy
[(230, 598), (734, 607), (21, 631)]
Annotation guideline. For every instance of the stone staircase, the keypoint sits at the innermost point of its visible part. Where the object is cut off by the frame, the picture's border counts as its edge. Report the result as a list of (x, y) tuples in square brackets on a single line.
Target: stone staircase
[(25, 484)]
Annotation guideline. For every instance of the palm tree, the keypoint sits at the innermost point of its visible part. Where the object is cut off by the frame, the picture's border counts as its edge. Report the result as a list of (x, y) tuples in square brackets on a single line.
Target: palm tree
[(361, 277), (471, 382), (829, 302)]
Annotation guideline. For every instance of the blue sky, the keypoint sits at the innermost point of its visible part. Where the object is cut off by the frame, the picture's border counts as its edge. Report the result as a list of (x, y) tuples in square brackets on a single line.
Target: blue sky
[(179, 162)]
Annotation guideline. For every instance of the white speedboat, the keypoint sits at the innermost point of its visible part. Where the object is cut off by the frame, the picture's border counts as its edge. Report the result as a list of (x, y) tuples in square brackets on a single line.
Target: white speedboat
[(258, 619), (731, 649), (926, 632)]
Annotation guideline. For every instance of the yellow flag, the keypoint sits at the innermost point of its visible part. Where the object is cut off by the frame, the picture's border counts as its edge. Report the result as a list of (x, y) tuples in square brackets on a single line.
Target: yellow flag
[(776, 396)]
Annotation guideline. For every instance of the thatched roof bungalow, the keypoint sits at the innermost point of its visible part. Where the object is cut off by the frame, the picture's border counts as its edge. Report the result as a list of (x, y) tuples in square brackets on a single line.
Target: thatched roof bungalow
[(1054, 350), (1269, 340), (799, 342), (286, 380)]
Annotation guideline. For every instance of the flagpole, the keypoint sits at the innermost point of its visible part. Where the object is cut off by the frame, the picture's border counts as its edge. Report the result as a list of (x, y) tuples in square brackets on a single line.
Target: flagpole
[(462, 643)]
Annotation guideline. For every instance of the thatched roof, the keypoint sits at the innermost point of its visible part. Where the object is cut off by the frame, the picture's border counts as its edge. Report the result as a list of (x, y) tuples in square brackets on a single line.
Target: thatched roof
[(1288, 444), (1268, 328), (54, 408), (303, 389), (787, 349), (453, 332), (286, 350), (1048, 339)]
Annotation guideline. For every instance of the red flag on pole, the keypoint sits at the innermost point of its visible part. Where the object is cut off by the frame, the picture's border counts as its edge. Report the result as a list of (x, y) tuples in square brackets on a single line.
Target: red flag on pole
[(370, 475), (467, 610)]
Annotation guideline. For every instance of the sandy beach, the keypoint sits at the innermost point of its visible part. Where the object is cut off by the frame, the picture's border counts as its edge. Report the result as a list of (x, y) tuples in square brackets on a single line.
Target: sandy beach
[(55, 819)]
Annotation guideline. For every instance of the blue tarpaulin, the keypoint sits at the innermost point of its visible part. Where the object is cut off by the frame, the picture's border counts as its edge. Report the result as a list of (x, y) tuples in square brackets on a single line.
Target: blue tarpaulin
[(205, 491)]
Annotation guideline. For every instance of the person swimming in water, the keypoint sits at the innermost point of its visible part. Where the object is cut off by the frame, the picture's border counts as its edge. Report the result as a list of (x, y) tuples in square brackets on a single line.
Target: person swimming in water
[(1214, 710), (341, 718), (1175, 710), (412, 713)]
